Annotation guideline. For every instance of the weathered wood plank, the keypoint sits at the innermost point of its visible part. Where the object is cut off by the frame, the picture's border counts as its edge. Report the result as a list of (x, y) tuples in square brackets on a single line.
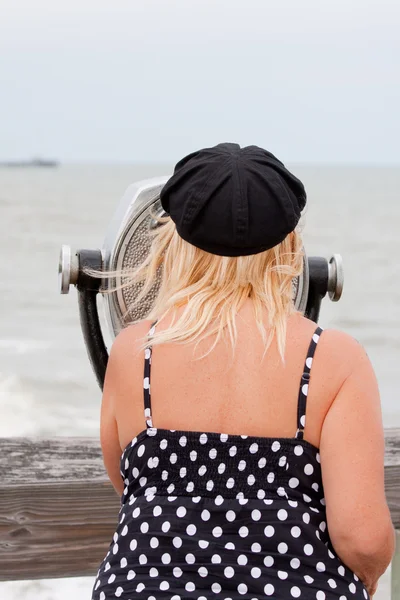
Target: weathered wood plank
[(58, 511)]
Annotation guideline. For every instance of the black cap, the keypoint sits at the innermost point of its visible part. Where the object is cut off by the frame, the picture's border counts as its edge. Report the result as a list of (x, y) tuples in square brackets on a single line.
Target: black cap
[(233, 201)]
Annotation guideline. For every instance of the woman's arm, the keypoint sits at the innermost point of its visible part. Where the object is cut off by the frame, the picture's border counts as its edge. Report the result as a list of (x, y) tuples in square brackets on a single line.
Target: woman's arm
[(108, 425), (352, 461)]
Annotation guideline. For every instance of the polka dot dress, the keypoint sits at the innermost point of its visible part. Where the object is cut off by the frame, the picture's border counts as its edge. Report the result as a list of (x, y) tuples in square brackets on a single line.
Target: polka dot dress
[(212, 515)]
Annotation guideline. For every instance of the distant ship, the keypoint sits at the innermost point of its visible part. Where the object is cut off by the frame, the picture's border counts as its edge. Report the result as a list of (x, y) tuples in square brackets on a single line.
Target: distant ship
[(34, 162)]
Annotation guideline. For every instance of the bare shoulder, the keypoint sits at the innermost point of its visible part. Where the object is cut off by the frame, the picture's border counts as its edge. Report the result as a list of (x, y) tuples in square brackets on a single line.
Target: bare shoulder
[(127, 353), (341, 350)]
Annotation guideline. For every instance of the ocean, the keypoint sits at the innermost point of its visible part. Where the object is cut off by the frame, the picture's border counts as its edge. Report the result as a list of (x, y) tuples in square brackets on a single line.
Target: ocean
[(47, 387)]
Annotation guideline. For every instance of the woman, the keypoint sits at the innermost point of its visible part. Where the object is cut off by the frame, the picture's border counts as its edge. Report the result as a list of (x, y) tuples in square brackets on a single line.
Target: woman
[(257, 468)]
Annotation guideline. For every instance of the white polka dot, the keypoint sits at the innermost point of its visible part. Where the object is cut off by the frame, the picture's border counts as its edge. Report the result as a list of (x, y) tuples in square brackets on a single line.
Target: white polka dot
[(196, 499), (332, 583), (256, 547), (242, 588), (261, 494), (154, 543), (243, 531), (193, 455), (202, 470), (306, 518), (177, 571), (157, 510), (135, 472), (321, 595), (268, 561), (153, 572), (190, 587), (229, 572), (282, 514), (112, 578), (270, 477), (173, 458), (298, 450), (365, 594), (140, 587), (308, 469), (203, 439), (230, 515), (342, 571), (255, 572), (216, 588), (166, 558), (216, 559), (102, 596), (190, 559), (209, 485), (262, 462), (177, 542), (205, 515), (295, 592), (133, 545), (253, 448), (322, 525), (269, 589), (296, 532), (221, 468), (251, 480), (331, 555), (320, 567), (183, 440), (202, 571), (218, 500), (275, 446), (217, 531), (232, 451), (163, 444), (212, 454), (230, 483), (108, 566), (223, 437), (308, 579), (269, 531), (282, 548), (303, 421), (293, 482), (164, 585), (282, 574), (144, 527), (181, 511), (170, 488), (242, 559), (190, 486), (125, 530), (191, 529), (182, 471), (146, 383), (141, 450), (308, 549), (166, 526), (131, 575), (315, 487), (164, 475), (295, 563), (115, 549), (282, 461), (136, 512), (203, 544), (293, 503), (230, 546), (123, 563)]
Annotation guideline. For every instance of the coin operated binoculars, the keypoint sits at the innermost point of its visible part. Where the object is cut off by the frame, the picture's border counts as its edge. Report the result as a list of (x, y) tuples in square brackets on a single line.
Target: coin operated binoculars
[(126, 245)]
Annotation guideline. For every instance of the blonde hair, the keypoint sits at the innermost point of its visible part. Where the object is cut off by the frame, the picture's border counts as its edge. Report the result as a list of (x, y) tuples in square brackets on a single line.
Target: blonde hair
[(211, 289)]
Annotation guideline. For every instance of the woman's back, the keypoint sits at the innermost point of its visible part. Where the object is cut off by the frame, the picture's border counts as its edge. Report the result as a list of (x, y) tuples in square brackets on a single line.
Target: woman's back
[(221, 492)]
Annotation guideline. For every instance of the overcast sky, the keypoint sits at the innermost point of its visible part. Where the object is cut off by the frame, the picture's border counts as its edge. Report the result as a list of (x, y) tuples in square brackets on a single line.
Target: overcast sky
[(150, 80)]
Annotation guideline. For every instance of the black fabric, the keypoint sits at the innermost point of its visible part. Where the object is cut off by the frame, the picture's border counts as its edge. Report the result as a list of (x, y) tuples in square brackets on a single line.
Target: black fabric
[(208, 515), (233, 201)]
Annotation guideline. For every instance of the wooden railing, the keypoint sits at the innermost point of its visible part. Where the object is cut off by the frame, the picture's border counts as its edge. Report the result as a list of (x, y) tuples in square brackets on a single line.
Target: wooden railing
[(58, 510)]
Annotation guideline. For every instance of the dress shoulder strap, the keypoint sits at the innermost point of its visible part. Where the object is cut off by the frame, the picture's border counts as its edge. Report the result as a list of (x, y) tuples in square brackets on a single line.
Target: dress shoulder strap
[(304, 383), (146, 380)]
